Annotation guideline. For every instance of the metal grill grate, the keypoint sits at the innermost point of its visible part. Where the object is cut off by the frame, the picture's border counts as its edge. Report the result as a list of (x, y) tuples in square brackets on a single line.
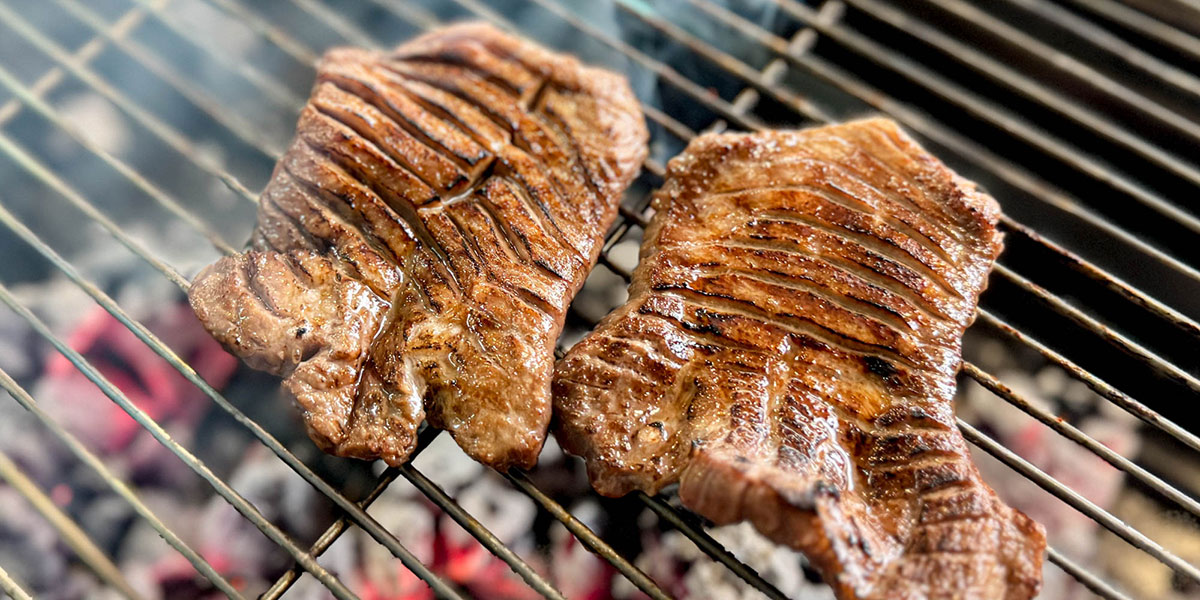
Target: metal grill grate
[(1099, 155)]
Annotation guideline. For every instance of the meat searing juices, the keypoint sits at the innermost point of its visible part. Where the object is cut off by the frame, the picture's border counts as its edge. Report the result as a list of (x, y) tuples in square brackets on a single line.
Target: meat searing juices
[(788, 355), (419, 242)]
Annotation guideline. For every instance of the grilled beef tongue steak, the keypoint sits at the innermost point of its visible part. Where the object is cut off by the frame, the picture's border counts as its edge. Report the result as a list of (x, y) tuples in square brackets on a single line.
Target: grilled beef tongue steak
[(418, 244), (788, 355)]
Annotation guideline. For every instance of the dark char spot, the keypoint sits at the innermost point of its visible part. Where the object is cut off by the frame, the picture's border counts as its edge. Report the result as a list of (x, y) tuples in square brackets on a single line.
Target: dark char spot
[(880, 366), (824, 488)]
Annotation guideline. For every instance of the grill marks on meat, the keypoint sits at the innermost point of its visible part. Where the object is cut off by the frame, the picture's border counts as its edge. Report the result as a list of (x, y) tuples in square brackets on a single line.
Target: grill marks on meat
[(420, 240), (788, 355)]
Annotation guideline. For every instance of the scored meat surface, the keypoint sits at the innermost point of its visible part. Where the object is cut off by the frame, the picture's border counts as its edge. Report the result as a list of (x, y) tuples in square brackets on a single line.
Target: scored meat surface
[(419, 242), (788, 355)]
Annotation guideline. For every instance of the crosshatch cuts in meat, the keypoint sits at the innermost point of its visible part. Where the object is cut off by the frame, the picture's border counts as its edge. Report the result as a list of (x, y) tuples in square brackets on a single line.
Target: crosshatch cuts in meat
[(788, 356), (419, 242)]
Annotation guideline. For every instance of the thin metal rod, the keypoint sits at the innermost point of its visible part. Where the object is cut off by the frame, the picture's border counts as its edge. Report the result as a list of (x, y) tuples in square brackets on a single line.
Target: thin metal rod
[(1167, 368), (589, 538), (675, 127), (1172, 316), (710, 546), (160, 129), (526, 568), (501, 549), (1121, 341), (1190, 6), (1061, 62), (802, 41), (414, 14), (1117, 397), (331, 535), (70, 531), (961, 145), (472, 525), (1072, 498), (120, 28), (731, 64), (656, 115), (447, 504), (243, 506), (116, 485), (262, 27), (1090, 581), (245, 131), (343, 523), (745, 100), (1069, 431), (14, 86), (1104, 39), (997, 114), (327, 539), (245, 69), (360, 517), (9, 586), (710, 100), (1101, 387), (1111, 281), (1144, 24), (51, 179), (339, 24), (654, 168), (671, 124), (1087, 578)]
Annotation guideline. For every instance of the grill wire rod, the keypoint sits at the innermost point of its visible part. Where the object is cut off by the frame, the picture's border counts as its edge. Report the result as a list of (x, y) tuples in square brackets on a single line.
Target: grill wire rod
[(736, 115)]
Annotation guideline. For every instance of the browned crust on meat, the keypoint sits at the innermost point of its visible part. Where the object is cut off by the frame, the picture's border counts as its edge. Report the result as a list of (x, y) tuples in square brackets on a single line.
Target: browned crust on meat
[(788, 355), (420, 240)]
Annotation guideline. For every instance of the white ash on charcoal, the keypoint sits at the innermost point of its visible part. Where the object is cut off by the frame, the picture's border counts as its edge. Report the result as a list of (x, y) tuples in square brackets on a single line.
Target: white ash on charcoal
[(1076, 535), (29, 543), (1175, 529), (32, 550), (158, 477), (672, 557), (451, 551)]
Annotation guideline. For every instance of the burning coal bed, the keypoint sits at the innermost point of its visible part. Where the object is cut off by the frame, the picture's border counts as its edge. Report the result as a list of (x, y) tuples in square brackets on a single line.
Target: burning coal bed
[(35, 553)]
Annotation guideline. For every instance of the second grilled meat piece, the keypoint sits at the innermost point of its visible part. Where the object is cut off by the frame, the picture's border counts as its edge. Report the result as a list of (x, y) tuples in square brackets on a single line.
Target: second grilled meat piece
[(788, 355), (419, 242)]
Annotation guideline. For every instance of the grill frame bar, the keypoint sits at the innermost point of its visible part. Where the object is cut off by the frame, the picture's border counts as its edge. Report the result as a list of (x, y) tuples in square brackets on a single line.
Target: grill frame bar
[(1102, 38), (1053, 58), (1059, 305), (1143, 24), (626, 214), (1000, 116), (945, 136), (9, 586), (248, 510), (68, 530), (87, 457)]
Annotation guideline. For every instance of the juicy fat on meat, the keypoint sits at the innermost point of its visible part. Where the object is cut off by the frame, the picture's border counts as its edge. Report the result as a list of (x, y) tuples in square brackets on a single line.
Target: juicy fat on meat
[(788, 355), (418, 244)]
